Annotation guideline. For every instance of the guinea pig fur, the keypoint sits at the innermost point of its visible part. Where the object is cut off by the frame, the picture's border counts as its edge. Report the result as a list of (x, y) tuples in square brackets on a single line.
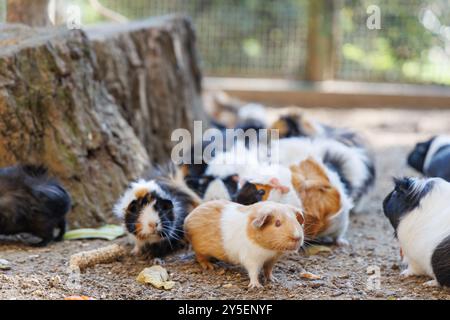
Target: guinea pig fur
[(32, 202), (419, 211), (309, 185), (432, 157), (253, 236), (272, 183), (354, 166), (292, 122), (153, 212), (326, 205)]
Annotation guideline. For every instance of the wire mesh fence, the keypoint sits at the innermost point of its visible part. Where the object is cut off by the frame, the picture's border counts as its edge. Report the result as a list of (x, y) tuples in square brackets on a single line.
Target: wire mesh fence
[(238, 38), (413, 44), (269, 38)]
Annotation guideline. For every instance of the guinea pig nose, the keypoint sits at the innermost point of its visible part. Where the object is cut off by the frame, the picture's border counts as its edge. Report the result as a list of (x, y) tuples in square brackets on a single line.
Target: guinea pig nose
[(152, 225), (296, 238)]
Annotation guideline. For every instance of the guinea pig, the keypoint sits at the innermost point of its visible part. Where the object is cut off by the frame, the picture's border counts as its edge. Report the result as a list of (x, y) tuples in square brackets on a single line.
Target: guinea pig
[(32, 202), (209, 178), (325, 204), (153, 211), (432, 157), (270, 182), (253, 236), (419, 212), (353, 165), (292, 122)]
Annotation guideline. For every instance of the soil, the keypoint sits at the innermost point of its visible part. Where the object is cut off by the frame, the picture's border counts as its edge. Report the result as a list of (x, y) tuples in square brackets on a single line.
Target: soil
[(41, 273)]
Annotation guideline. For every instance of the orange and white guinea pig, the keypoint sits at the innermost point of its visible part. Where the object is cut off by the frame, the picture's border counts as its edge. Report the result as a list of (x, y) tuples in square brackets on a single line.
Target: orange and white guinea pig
[(253, 236)]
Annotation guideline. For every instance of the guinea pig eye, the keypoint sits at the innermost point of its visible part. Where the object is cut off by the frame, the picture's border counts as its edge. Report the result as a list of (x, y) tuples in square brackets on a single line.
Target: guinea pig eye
[(278, 223)]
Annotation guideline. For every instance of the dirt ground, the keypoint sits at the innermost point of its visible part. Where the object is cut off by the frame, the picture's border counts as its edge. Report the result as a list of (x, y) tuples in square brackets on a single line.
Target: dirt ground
[(42, 273)]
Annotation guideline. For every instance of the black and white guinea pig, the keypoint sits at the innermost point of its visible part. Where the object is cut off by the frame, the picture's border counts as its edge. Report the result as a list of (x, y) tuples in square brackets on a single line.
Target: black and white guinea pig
[(153, 211), (292, 122), (419, 211), (216, 178), (32, 202), (194, 172), (432, 157)]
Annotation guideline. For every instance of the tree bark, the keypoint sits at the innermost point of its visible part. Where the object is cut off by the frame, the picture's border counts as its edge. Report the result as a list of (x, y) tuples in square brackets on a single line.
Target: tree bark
[(68, 104), (30, 12), (154, 76)]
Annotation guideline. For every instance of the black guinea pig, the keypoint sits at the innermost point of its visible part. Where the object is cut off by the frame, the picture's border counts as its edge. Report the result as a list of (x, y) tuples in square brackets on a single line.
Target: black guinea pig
[(432, 157), (32, 202), (419, 211)]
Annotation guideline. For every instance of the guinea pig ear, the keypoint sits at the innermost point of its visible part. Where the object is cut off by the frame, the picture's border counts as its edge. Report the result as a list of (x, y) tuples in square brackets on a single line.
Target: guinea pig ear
[(276, 184), (261, 220), (300, 217), (403, 185), (163, 204), (132, 207)]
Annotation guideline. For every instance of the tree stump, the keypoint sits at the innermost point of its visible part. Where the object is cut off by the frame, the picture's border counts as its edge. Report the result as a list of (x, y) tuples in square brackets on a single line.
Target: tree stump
[(60, 106), (154, 76)]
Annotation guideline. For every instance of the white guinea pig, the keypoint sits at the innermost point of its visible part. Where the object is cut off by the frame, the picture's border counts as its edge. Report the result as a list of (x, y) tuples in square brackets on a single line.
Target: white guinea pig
[(419, 211), (253, 236)]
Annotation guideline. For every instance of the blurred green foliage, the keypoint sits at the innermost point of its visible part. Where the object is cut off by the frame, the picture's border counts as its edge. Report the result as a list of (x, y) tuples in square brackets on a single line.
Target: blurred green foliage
[(269, 37), (404, 49)]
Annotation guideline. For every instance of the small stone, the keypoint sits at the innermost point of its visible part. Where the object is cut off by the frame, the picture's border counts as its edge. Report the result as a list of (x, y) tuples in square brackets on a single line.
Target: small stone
[(315, 285), (55, 281), (227, 286), (5, 265)]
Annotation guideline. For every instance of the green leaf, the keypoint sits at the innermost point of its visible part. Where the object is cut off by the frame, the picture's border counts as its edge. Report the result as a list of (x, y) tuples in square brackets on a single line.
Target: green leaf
[(107, 232)]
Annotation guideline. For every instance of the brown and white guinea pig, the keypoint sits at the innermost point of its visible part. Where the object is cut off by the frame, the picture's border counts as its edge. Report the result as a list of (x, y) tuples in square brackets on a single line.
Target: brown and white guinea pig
[(354, 166), (253, 236), (419, 211), (153, 211), (32, 202), (325, 203), (308, 185), (432, 157)]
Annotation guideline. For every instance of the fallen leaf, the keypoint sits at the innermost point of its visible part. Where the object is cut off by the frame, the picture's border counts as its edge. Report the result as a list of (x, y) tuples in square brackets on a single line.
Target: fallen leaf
[(108, 232), (314, 250), (310, 276), (157, 276)]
